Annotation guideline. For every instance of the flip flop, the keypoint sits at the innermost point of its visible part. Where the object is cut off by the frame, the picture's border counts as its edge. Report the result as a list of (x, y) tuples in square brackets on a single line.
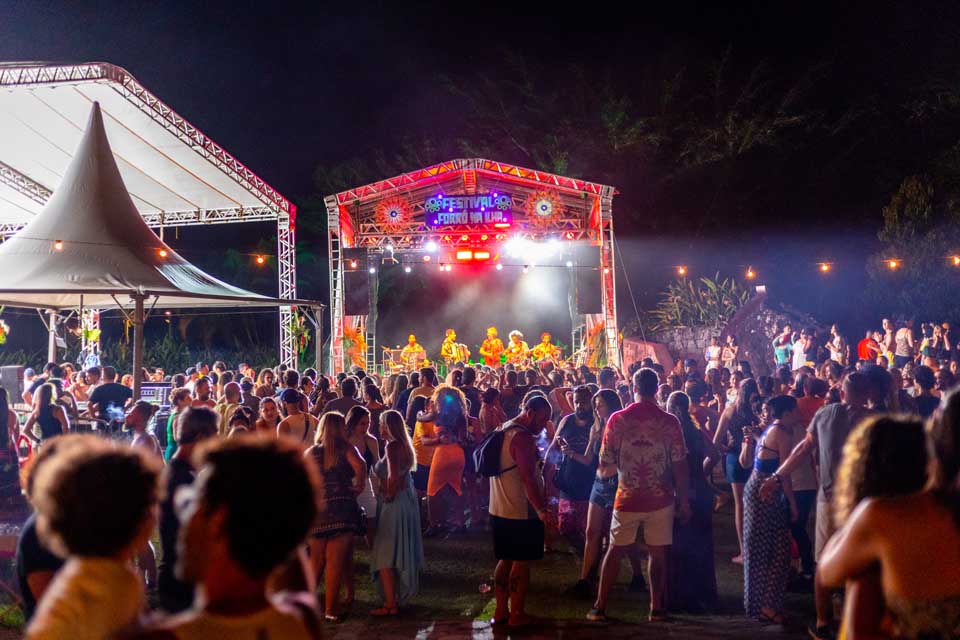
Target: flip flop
[(383, 612)]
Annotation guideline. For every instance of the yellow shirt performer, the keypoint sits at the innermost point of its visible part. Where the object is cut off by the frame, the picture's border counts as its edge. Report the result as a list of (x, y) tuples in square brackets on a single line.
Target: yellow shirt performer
[(412, 353), (545, 350), (491, 348)]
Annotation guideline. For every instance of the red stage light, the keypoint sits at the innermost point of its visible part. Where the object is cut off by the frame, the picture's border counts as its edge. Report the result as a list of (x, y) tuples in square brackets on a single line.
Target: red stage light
[(481, 255), (484, 237), (464, 238), (570, 235), (465, 254)]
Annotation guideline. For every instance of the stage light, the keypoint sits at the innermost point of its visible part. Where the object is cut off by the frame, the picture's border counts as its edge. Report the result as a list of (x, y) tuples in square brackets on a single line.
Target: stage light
[(893, 265), (167, 313), (426, 258), (373, 269), (569, 264), (570, 235), (162, 253), (499, 267), (501, 225), (432, 246), (682, 270), (58, 245), (750, 274), (500, 236), (825, 267), (353, 264), (464, 238), (407, 269), (442, 268), (526, 269), (484, 237), (606, 270), (390, 248), (464, 254), (260, 260), (448, 268), (481, 255), (495, 195)]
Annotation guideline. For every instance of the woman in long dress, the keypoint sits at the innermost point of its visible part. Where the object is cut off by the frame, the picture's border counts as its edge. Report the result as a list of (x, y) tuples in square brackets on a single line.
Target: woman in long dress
[(397, 549)]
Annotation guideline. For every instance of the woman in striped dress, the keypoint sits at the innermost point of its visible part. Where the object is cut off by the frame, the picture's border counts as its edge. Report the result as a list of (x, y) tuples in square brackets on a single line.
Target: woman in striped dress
[(766, 523)]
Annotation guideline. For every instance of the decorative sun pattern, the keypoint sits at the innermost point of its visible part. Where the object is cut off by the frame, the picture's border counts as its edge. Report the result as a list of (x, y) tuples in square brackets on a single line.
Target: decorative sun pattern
[(543, 207), (392, 213)]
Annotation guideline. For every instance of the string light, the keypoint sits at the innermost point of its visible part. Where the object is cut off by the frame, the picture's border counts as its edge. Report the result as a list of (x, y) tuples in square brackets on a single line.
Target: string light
[(261, 260), (825, 267), (750, 274), (407, 269), (682, 270), (162, 253), (956, 261), (58, 245), (606, 270), (893, 264)]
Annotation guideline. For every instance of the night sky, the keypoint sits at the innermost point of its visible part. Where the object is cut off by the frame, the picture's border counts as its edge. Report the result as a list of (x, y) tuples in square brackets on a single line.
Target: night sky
[(291, 88)]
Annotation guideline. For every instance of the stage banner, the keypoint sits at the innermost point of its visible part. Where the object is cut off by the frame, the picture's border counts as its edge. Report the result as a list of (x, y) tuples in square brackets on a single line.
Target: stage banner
[(483, 208)]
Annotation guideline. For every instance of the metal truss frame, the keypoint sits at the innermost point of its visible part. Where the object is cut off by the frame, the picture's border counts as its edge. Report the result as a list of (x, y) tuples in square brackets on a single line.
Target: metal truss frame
[(360, 228), (275, 206)]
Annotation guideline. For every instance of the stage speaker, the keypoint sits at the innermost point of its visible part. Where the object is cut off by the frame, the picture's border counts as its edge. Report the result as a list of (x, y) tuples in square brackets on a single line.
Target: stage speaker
[(356, 282), (11, 379), (588, 286)]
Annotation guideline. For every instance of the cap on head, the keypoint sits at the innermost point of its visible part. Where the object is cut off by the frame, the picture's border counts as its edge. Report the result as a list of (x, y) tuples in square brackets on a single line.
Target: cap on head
[(290, 396)]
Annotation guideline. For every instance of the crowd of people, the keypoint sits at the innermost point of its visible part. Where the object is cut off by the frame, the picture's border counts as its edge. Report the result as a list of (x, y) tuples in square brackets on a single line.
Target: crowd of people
[(613, 465)]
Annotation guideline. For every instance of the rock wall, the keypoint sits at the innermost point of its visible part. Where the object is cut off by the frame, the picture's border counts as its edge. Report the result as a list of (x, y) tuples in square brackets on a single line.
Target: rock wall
[(754, 326)]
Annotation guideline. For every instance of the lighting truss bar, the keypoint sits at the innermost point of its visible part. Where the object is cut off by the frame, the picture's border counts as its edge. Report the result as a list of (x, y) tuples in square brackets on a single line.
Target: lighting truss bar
[(489, 167), (19, 182), (7, 229), (209, 216)]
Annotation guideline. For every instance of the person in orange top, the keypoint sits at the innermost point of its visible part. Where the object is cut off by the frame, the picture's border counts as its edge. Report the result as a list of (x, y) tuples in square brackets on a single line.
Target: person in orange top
[(491, 348)]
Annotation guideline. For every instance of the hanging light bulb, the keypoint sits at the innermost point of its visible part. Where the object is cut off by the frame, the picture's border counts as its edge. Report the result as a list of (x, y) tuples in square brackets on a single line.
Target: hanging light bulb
[(58, 245)]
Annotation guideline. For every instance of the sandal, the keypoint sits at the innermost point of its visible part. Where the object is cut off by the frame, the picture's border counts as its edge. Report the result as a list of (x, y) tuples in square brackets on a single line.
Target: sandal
[(385, 611), (658, 615), (775, 619), (597, 615)]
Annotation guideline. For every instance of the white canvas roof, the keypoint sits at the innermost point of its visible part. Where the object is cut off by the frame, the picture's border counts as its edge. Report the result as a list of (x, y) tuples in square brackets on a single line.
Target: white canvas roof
[(108, 252), (173, 172)]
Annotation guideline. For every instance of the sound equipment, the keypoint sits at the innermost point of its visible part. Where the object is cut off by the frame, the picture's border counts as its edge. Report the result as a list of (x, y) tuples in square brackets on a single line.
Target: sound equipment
[(356, 282), (588, 286), (11, 379)]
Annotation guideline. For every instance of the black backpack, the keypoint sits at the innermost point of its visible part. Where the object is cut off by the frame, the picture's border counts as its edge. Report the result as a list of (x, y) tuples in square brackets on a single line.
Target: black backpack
[(486, 457)]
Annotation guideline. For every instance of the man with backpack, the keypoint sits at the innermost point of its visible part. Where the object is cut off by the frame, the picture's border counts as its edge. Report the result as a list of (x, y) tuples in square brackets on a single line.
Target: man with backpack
[(518, 509)]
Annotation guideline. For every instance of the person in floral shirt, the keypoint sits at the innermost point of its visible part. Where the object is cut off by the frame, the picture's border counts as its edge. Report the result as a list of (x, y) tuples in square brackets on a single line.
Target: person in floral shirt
[(644, 446)]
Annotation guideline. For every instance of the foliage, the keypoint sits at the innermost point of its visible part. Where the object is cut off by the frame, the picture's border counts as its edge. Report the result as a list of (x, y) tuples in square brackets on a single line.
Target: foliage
[(711, 303)]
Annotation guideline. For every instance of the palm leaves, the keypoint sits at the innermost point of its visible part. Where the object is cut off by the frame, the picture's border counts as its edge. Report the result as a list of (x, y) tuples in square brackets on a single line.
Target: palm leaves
[(709, 303)]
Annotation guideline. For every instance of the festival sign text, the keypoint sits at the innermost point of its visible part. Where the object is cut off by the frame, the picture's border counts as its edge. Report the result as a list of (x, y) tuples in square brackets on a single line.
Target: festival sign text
[(482, 208)]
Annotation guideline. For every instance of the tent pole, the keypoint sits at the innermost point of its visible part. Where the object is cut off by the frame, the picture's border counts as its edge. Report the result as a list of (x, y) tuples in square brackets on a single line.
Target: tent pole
[(52, 335), (138, 316)]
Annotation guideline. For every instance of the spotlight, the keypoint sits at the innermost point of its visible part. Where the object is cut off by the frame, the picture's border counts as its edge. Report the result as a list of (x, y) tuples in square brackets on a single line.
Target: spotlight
[(373, 269), (682, 270), (431, 246), (390, 248), (569, 264), (499, 267), (893, 264), (58, 245), (825, 267), (167, 313), (162, 253), (526, 269), (407, 269), (750, 274), (261, 260)]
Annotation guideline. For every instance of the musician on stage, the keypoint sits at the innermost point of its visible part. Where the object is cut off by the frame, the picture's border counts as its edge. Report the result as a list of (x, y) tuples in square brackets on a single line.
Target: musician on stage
[(517, 349), (452, 351), (491, 348), (545, 351), (413, 353)]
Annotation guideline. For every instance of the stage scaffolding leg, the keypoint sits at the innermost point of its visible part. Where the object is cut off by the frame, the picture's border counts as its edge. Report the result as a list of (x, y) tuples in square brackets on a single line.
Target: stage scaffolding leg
[(335, 273), (608, 279), (287, 279), (138, 319), (52, 320)]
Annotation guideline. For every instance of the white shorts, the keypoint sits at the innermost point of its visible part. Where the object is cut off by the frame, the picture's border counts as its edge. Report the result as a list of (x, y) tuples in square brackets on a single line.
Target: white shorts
[(657, 527)]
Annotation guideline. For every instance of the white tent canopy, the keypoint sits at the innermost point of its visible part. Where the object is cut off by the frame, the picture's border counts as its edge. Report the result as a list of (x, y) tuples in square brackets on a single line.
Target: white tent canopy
[(90, 247)]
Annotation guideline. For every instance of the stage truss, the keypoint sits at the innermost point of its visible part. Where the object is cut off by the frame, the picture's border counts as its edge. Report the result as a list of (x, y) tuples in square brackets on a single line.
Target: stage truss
[(265, 205), (353, 221)]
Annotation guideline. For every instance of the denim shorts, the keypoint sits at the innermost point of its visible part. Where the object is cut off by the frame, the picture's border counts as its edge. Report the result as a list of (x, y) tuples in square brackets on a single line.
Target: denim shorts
[(604, 491)]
